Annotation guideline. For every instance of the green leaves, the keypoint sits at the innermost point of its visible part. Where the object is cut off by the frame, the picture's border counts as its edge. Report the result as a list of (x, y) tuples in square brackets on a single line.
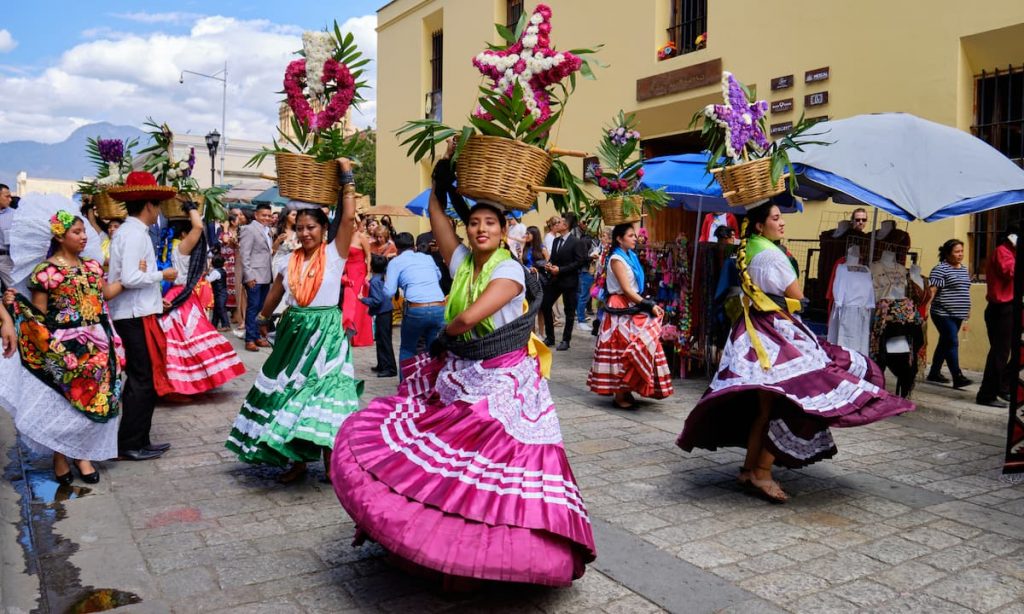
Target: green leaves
[(424, 135)]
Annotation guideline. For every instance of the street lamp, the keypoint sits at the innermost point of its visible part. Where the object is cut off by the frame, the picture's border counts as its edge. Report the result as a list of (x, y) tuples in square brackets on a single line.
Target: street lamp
[(212, 142), (223, 78)]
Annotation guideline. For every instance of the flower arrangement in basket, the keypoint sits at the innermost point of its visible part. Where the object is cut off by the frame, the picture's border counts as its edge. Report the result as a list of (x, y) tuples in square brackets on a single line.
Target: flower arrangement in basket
[(113, 160), (177, 173), (319, 88), (503, 156), (749, 168), (619, 172)]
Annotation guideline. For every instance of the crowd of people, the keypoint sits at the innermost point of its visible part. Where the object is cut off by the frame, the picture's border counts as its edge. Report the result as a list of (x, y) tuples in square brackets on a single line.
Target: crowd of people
[(462, 470)]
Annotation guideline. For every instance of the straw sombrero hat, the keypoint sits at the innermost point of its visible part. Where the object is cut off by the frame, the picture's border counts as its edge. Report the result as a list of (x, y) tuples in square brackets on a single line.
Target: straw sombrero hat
[(140, 185)]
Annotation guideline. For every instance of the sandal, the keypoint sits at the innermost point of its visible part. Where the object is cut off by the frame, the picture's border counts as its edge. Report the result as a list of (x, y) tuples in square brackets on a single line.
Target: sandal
[(293, 473), (769, 490)]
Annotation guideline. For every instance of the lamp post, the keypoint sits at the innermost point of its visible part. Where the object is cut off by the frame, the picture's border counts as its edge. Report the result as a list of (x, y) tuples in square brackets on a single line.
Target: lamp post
[(212, 142), (223, 78)]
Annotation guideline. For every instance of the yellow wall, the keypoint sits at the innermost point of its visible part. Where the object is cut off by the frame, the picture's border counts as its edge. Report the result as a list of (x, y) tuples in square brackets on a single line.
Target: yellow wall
[(914, 56)]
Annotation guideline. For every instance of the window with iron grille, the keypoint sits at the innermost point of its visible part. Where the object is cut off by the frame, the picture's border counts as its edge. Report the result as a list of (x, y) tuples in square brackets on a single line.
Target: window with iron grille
[(436, 77), (999, 121), (513, 11), (689, 20)]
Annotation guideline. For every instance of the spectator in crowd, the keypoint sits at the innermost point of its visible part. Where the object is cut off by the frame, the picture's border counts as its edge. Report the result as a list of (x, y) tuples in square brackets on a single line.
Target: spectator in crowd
[(587, 273), (381, 243), (515, 234), (381, 308), (6, 216), (254, 248), (418, 277), (859, 219), (950, 306), (568, 256), (218, 279), (725, 235), (998, 379)]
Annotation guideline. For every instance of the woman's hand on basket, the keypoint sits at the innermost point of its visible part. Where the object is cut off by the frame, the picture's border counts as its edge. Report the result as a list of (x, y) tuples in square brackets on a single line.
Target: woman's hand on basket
[(345, 164), (450, 150)]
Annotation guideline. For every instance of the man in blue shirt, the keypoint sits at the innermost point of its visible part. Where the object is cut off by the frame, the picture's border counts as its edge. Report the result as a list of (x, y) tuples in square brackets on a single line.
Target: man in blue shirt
[(419, 279)]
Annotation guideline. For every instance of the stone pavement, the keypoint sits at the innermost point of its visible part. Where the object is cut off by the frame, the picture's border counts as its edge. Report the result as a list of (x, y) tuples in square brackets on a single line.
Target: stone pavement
[(911, 516)]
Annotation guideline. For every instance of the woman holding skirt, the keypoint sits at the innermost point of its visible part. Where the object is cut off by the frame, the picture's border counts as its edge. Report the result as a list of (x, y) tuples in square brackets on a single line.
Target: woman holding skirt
[(779, 388), (307, 387), (63, 388), (628, 356), (463, 471)]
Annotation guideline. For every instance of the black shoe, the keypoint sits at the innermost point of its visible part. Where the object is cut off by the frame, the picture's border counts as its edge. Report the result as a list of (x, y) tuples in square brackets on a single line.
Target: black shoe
[(995, 402), (1004, 396), (66, 479), (88, 478), (938, 378), (375, 369), (596, 328), (549, 342), (563, 346), (141, 454), (387, 374), (961, 382), (157, 447)]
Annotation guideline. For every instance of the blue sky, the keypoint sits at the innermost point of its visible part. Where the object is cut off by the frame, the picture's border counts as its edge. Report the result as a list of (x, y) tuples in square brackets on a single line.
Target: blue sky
[(56, 62)]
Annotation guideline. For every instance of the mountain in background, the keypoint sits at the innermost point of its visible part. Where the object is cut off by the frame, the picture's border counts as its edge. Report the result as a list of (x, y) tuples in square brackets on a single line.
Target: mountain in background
[(64, 160)]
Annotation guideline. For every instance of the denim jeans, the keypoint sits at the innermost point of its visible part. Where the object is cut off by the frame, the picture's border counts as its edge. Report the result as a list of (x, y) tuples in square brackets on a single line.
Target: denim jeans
[(419, 324), (254, 298), (947, 350), (586, 281)]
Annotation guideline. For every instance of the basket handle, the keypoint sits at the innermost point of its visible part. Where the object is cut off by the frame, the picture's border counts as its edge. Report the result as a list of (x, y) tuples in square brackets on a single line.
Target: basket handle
[(268, 177), (547, 190), (575, 153)]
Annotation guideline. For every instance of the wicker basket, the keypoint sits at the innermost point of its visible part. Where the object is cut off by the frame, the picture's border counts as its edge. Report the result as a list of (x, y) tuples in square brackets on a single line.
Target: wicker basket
[(749, 182), (301, 177), (502, 171), (613, 213), (172, 210), (107, 208)]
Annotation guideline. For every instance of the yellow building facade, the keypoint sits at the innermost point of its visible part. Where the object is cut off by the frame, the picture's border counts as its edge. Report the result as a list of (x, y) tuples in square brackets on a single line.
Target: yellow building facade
[(923, 57)]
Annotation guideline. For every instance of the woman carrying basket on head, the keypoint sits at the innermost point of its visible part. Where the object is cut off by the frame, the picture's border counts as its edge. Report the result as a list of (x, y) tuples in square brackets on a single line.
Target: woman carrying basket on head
[(307, 387), (463, 471), (628, 356), (779, 388)]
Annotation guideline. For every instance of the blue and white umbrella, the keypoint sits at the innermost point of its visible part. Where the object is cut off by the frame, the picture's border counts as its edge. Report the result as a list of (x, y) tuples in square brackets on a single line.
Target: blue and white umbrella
[(420, 205), (907, 166)]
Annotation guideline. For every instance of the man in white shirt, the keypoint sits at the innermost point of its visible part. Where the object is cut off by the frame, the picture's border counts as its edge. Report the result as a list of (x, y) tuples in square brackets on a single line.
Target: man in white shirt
[(141, 300)]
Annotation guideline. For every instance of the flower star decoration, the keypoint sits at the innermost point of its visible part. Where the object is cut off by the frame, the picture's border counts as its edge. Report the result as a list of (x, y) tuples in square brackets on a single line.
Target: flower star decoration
[(531, 62), (740, 118)]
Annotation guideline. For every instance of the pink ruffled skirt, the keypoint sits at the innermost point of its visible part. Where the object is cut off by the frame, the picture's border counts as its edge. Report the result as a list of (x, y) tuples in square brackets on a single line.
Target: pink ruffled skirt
[(463, 472)]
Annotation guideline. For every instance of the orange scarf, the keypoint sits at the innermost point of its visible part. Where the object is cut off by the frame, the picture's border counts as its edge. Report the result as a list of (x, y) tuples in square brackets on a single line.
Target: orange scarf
[(305, 286)]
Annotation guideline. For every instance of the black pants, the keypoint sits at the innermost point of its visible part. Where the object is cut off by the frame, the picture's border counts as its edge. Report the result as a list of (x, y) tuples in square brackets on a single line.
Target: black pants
[(138, 396), (220, 317), (382, 332), (569, 300), (997, 378)]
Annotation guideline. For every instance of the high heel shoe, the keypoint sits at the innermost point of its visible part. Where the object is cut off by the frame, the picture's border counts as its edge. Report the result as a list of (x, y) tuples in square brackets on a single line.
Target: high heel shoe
[(88, 478), (66, 479)]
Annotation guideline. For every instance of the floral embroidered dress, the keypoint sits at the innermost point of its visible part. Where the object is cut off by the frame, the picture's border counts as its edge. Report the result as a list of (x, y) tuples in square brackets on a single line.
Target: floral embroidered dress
[(64, 389)]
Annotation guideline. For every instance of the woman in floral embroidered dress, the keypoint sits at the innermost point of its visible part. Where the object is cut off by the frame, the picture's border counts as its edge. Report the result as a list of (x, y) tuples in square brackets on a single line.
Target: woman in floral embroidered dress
[(64, 392)]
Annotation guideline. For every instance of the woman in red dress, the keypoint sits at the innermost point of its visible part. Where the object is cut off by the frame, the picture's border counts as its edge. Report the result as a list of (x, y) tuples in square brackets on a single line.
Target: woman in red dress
[(356, 315)]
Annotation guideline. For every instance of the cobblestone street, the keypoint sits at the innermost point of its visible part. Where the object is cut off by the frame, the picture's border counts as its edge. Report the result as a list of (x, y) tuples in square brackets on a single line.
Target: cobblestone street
[(911, 516)]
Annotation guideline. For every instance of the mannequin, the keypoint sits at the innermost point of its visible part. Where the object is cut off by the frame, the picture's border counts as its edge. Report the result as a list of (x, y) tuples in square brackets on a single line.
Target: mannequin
[(853, 293), (890, 277), (884, 229), (898, 330), (841, 229)]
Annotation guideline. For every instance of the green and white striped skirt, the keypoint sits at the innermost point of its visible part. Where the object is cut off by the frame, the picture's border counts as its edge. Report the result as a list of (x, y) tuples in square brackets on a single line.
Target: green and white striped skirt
[(302, 394)]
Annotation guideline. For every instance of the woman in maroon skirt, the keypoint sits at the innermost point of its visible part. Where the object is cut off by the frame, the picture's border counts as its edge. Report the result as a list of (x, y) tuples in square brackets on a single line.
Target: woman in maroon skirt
[(779, 388)]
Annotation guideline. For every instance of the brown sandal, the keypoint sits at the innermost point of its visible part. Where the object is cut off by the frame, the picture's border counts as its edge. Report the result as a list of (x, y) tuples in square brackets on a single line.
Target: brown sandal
[(769, 490)]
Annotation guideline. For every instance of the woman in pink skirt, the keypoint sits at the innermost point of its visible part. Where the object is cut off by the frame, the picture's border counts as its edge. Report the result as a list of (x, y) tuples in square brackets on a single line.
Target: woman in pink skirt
[(463, 471)]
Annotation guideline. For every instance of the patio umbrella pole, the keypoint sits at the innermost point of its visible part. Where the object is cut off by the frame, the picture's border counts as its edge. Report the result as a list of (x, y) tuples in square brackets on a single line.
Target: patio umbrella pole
[(874, 226), (696, 240)]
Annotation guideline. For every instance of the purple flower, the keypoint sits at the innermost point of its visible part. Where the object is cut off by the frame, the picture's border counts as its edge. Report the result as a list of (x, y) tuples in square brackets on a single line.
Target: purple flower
[(740, 118), (191, 161), (111, 150)]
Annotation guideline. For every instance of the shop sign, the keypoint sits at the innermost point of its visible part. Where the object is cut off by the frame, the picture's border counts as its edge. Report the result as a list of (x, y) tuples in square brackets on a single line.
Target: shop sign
[(818, 74), (819, 118), (782, 128), (679, 80), (781, 106), (781, 83), (816, 100)]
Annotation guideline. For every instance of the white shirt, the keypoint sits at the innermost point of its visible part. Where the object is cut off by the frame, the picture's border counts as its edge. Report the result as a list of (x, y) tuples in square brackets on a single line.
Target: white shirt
[(614, 287), (180, 262), (330, 288), (549, 242), (516, 236), (141, 295), (510, 269), (772, 271)]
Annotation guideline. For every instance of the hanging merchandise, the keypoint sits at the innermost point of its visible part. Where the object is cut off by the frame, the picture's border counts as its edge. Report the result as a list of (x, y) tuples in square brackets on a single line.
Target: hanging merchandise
[(853, 301), (667, 269)]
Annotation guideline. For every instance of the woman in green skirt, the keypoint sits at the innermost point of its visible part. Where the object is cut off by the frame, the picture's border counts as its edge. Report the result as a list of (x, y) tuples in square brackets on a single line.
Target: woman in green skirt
[(307, 387)]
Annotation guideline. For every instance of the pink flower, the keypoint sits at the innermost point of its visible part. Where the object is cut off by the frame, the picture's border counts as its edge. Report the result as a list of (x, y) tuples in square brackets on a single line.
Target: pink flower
[(603, 182), (70, 361), (640, 173)]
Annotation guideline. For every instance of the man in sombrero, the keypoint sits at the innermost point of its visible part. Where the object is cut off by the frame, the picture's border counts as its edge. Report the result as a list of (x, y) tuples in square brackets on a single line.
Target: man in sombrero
[(141, 299)]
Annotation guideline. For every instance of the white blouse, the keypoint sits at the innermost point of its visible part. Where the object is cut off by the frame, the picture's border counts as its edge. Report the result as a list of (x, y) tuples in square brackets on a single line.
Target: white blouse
[(330, 288), (614, 287), (510, 269), (772, 271)]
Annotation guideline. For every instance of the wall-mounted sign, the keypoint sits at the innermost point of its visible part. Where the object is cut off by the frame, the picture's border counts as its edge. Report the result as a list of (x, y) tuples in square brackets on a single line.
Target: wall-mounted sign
[(819, 118), (818, 74), (781, 83), (816, 100), (782, 128), (679, 80), (781, 106)]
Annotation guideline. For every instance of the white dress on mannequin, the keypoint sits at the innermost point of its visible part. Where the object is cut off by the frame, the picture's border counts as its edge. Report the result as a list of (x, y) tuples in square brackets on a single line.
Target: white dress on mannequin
[(849, 324)]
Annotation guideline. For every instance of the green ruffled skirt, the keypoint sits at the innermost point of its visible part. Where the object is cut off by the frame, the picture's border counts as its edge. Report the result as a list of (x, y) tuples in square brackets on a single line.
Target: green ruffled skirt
[(302, 394)]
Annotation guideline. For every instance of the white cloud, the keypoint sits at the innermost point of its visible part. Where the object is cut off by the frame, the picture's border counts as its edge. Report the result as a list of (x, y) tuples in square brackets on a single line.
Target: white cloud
[(173, 17), (123, 78), (7, 41)]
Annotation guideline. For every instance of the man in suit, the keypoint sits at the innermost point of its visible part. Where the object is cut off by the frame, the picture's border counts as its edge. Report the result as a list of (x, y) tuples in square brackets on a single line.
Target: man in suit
[(568, 256), (254, 248)]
